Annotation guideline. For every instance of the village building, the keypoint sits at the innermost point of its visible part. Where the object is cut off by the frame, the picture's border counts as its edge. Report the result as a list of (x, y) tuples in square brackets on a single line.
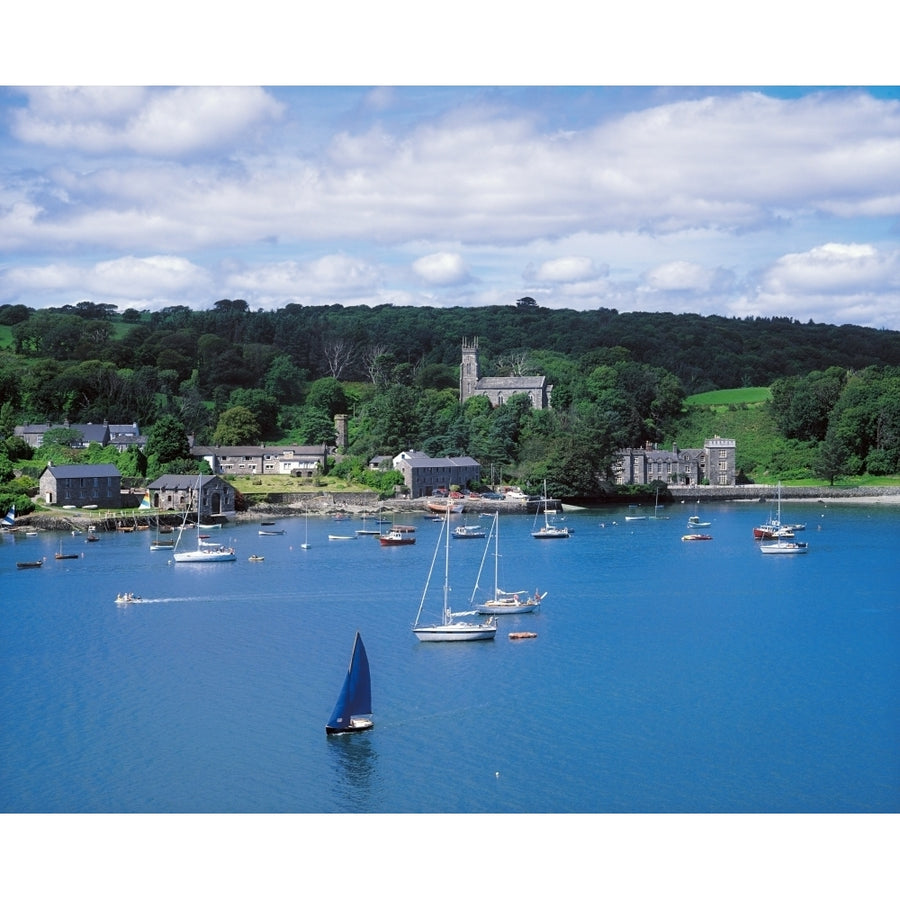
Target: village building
[(89, 485), (305, 462), (120, 436), (423, 475), (498, 389), (714, 464), (214, 495)]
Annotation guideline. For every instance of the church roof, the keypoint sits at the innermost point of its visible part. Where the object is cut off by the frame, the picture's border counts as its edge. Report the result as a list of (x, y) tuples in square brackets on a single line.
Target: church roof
[(511, 383)]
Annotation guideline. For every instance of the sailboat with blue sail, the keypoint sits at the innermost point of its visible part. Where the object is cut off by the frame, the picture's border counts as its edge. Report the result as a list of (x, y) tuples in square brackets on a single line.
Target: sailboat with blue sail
[(9, 520), (353, 710)]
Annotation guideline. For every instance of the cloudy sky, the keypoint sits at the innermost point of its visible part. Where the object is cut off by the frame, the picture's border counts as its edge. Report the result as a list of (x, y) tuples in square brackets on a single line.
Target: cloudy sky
[(739, 201)]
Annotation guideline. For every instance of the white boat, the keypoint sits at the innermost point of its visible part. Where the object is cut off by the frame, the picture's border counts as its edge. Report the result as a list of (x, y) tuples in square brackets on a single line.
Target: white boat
[(694, 522), (353, 710), (779, 546), (129, 597), (548, 529), (305, 544), (464, 532), (205, 552), (781, 542), (451, 627), (502, 602), (341, 537)]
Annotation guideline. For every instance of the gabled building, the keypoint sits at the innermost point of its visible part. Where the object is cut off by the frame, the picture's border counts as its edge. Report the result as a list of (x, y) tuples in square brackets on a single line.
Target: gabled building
[(303, 461), (90, 485), (422, 475), (215, 496), (714, 464), (498, 389), (104, 434)]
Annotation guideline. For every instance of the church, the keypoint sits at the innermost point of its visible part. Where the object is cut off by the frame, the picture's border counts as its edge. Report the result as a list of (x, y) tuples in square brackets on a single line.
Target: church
[(498, 389)]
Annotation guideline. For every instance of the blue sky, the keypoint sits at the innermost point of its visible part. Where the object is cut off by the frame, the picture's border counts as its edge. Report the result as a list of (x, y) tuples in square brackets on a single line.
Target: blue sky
[(739, 201)]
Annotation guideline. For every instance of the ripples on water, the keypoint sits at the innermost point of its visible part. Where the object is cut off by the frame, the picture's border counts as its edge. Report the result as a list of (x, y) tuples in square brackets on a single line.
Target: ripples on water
[(666, 677)]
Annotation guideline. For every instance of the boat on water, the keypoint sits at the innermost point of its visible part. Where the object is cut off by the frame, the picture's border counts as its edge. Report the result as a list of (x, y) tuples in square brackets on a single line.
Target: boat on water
[(353, 710), (271, 531), (451, 627), (395, 538), (522, 635), (696, 536), (31, 564), (305, 544), (206, 552), (211, 527), (635, 518), (502, 602), (129, 597), (463, 532), (255, 558), (781, 547), (342, 537), (9, 520), (548, 529), (445, 506), (694, 522), (780, 541), (772, 528), (60, 555)]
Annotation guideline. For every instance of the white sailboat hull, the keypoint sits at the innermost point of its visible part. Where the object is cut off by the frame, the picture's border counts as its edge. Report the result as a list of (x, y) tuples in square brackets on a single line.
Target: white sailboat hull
[(457, 631), (205, 556)]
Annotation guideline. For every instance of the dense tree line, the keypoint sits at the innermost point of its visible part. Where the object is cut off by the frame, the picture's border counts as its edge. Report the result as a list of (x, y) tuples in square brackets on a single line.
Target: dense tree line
[(229, 375)]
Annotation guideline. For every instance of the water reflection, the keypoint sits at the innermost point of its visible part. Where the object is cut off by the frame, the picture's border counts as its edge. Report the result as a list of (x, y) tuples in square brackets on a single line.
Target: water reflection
[(353, 760)]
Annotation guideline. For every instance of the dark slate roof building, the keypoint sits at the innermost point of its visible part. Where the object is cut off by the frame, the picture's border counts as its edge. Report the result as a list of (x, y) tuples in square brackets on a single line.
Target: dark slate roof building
[(90, 485), (498, 389), (180, 492)]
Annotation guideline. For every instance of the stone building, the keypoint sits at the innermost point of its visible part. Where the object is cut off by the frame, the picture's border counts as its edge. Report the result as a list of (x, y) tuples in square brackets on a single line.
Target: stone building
[(714, 464), (214, 495), (498, 389), (423, 474), (89, 485)]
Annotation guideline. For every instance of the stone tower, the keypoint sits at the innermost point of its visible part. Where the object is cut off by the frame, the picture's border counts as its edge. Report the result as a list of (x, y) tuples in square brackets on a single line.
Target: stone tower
[(468, 369)]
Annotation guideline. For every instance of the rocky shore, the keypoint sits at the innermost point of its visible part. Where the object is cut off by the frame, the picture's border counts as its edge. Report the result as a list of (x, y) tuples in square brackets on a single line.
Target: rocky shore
[(360, 504)]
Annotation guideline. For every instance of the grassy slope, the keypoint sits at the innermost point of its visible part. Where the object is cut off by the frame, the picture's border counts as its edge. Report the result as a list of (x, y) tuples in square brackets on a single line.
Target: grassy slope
[(763, 454)]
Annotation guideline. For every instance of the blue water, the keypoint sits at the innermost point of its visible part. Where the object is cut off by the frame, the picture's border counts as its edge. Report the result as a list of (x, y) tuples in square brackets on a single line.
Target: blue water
[(666, 676)]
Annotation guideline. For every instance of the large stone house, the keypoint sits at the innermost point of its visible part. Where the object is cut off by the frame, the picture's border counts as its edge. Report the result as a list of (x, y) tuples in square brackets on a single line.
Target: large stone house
[(714, 464), (90, 485), (498, 389), (422, 475), (304, 462), (183, 492)]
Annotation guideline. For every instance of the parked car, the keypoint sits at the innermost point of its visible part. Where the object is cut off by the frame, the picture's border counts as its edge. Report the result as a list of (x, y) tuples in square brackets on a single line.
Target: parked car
[(492, 495)]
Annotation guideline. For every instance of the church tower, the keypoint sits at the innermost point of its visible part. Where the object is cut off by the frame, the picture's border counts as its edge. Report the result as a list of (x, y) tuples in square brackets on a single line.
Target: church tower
[(468, 369)]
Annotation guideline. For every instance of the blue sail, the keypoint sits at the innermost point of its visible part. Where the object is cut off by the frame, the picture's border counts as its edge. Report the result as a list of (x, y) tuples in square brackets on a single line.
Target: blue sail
[(354, 704), (10, 517)]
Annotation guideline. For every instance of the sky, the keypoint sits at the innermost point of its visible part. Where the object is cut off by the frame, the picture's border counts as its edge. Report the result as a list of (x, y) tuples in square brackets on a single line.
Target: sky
[(734, 199)]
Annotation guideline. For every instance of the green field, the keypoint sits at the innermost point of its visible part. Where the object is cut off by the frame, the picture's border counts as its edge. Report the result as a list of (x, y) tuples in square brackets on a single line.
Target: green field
[(731, 397)]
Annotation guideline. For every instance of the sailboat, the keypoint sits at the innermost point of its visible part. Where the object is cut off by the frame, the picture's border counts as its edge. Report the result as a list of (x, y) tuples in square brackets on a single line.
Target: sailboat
[(450, 628), (353, 710), (9, 520), (502, 602), (60, 555), (782, 542), (548, 530), (159, 543), (205, 552), (305, 544)]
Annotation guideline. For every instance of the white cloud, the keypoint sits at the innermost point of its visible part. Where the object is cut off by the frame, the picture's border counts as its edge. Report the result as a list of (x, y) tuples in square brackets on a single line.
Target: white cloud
[(125, 279), (566, 269), (680, 276), (441, 269), (163, 122)]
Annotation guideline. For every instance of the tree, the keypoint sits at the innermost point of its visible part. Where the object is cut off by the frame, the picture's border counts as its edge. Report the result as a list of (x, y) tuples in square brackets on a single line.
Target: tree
[(236, 426), (167, 440)]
